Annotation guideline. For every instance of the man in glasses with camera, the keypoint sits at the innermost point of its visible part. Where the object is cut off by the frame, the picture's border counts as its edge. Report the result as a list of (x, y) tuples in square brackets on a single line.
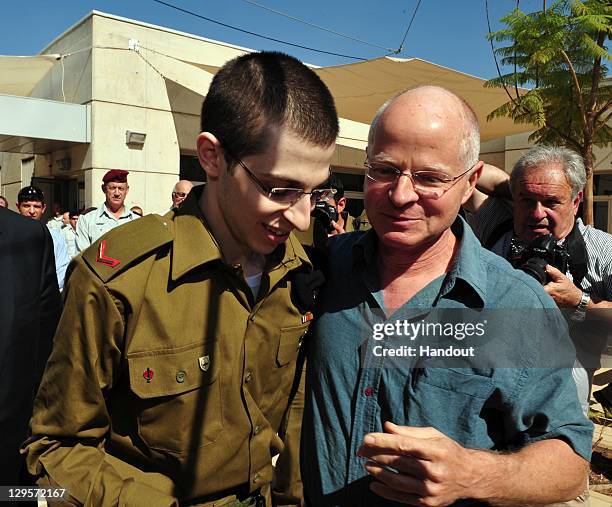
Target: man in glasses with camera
[(529, 217), (173, 371), (392, 417)]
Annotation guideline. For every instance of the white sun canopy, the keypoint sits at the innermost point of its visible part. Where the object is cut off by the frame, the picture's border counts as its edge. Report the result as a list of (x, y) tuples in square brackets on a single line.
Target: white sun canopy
[(20, 74), (359, 89)]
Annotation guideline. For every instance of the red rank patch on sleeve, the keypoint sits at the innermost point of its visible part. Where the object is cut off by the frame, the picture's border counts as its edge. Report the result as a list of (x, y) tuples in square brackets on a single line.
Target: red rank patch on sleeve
[(103, 259)]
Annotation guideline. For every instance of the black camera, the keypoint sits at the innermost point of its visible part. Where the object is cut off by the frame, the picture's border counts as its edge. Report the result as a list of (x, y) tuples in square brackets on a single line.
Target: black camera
[(532, 258), (324, 213)]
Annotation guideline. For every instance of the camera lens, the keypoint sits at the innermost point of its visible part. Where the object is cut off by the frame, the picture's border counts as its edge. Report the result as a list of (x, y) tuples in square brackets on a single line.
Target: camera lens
[(535, 267)]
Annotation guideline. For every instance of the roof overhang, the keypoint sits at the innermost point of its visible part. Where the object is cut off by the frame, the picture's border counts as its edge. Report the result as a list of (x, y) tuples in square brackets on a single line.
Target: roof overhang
[(20, 74), (359, 89), (29, 125)]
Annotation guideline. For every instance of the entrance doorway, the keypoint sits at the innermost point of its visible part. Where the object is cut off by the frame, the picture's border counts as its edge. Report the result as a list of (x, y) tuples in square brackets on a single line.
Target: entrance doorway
[(61, 191)]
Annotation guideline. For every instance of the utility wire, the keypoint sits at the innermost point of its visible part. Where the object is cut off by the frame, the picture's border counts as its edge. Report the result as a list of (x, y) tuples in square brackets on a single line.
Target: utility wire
[(308, 23), (401, 46), (255, 34)]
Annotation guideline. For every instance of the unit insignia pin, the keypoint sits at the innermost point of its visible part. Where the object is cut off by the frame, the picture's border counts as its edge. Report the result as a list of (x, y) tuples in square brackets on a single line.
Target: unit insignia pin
[(204, 362)]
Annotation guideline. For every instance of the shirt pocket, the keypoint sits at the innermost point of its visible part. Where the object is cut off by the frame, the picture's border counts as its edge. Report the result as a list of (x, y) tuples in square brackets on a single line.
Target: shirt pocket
[(452, 401), (289, 341), (179, 396)]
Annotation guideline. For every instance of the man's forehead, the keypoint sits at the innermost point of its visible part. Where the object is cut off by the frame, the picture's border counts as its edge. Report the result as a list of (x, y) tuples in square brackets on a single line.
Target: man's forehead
[(31, 203), (543, 179)]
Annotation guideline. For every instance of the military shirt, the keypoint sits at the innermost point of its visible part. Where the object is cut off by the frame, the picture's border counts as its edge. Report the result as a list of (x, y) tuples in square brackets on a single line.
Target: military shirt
[(168, 379), (97, 222), (55, 223)]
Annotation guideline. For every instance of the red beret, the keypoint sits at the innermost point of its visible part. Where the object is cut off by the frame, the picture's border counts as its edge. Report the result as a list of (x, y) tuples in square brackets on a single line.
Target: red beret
[(118, 175)]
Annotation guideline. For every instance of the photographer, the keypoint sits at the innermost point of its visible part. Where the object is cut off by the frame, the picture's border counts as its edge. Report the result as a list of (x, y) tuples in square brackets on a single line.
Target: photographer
[(329, 214), (513, 215)]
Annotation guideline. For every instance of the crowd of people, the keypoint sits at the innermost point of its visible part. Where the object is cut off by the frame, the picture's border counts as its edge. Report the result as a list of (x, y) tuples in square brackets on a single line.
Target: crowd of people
[(206, 357)]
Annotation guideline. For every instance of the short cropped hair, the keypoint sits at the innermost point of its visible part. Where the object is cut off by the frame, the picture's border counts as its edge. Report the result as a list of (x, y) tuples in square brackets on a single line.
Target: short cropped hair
[(256, 91), (571, 163), (470, 142)]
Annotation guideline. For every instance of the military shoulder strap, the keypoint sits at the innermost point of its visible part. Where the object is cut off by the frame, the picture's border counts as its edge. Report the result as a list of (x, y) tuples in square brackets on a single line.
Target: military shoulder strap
[(121, 247)]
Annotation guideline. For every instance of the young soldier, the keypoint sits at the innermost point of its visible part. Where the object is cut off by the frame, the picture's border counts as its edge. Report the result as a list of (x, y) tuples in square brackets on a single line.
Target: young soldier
[(175, 363)]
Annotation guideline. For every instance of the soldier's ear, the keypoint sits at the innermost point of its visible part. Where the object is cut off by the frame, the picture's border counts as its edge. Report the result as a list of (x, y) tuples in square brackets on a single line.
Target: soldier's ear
[(210, 155)]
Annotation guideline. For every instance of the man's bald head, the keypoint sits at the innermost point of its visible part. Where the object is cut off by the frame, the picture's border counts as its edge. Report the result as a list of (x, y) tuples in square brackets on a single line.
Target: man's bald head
[(181, 189), (430, 103)]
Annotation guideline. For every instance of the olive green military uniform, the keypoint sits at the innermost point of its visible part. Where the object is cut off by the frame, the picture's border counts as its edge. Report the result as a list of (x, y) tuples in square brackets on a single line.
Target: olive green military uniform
[(168, 380)]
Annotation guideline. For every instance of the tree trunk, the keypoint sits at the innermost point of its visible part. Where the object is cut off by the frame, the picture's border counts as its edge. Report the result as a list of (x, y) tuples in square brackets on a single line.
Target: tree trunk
[(587, 207)]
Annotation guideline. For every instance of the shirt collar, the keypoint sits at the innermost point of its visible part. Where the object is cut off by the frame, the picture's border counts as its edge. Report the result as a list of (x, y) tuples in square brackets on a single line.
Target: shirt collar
[(467, 267), (103, 210), (195, 245)]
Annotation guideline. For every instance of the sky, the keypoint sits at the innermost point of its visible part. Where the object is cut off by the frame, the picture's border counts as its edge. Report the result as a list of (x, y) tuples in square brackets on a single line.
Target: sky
[(451, 33)]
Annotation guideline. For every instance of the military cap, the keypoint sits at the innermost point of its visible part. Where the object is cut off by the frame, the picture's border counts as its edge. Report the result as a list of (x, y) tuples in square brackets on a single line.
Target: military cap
[(118, 175), (30, 193)]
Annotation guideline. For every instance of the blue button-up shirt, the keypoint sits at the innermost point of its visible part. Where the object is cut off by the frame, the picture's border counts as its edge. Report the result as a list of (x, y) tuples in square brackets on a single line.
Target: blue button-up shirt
[(509, 392)]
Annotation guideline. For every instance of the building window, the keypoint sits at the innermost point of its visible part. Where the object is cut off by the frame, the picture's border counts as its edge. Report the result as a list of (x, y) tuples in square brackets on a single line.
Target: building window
[(602, 184)]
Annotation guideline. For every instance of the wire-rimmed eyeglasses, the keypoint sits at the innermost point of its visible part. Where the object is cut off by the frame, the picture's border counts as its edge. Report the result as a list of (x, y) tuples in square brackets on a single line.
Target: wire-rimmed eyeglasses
[(428, 184), (283, 195)]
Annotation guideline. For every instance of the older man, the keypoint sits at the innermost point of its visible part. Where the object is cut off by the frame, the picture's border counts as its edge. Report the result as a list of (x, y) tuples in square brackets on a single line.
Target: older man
[(391, 417), (540, 200), (180, 192), (111, 214)]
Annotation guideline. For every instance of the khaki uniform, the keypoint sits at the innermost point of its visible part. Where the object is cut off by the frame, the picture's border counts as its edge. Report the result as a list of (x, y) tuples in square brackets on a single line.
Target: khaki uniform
[(168, 380)]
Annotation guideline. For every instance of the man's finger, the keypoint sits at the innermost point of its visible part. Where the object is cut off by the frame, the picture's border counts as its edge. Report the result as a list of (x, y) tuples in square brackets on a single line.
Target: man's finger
[(400, 482), (554, 273), (411, 431), (403, 464), (386, 443)]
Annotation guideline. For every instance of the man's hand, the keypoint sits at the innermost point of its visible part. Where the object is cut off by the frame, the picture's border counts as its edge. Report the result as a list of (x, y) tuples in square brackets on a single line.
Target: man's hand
[(561, 289), (337, 229), (432, 469)]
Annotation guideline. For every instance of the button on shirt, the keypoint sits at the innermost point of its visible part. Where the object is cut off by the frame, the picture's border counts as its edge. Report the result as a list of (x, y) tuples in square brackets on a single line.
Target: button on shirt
[(98, 222), (351, 392)]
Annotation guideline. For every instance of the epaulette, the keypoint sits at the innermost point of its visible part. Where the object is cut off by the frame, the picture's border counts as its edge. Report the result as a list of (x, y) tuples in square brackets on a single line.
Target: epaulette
[(119, 248)]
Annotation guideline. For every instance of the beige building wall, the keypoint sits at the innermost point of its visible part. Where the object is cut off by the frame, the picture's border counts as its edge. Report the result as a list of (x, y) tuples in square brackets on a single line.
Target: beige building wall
[(125, 93), (504, 153)]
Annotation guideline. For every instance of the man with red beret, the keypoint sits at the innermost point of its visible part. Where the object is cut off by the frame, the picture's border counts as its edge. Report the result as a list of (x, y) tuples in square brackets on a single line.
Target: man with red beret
[(112, 214)]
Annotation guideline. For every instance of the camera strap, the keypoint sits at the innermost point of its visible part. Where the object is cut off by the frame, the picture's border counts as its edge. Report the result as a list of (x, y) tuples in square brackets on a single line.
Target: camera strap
[(576, 248)]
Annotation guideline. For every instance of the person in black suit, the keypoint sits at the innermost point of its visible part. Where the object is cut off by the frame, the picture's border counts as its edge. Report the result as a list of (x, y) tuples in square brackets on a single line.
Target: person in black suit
[(29, 312)]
